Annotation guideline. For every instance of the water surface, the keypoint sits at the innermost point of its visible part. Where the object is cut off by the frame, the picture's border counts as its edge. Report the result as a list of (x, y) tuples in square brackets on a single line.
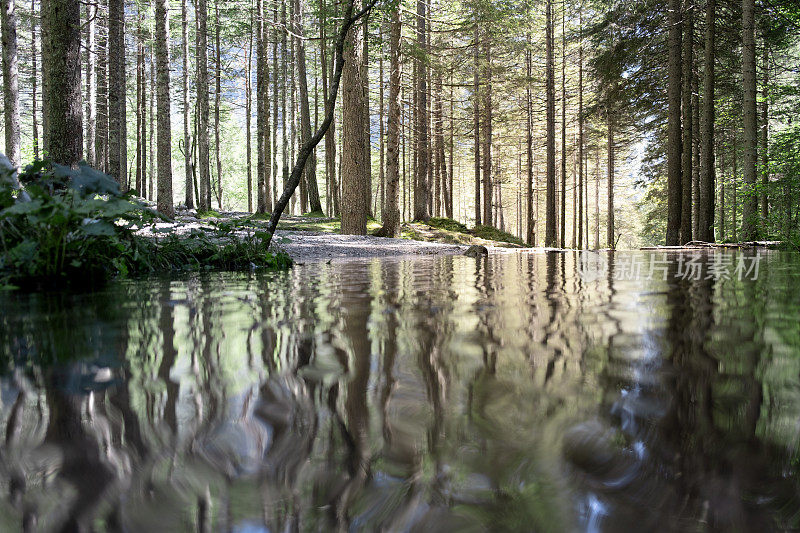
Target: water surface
[(429, 394)]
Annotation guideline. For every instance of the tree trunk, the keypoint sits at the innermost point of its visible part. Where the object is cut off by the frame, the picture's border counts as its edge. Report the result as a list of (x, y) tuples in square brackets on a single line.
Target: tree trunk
[(91, 82), (61, 54), (263, 198), (580, 128), (487, 133), (141, 116), (421, 189), (707, 187), (10, 81), (596, 198), (674, 178), (477, 122), (118, 144), (610, 230), (217, 96), (750, 206), (275, 102), (531, 221), (151, 137), (563, 225), (381, 131), (765, 139), (162, 94), (201, 10), (354, 194), (248, 105), (391, 214), (34, 105), (187, 139), (330, 134), (367, 144), (550, 238), (686, 119), (101, 68), (305, 113)]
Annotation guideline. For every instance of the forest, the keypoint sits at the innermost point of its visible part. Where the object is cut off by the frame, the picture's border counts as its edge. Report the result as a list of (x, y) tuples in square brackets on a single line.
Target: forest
[(580, 123)]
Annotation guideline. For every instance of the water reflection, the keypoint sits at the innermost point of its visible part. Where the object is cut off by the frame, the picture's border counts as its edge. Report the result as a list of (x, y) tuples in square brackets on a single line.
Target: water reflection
[(503, 393)]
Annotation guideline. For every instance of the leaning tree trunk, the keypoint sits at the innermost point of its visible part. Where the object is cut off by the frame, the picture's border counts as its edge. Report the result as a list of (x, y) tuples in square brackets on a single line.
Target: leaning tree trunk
[(705, 224), (11, 81), (163, 104), (674, 178), (354, 193), (306, 148), (550, 238), (750, 205), (61, 54)]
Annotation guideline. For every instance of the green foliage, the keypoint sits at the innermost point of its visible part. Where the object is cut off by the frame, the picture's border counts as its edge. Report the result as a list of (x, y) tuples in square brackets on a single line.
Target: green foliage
[(209, 214), (63, 225)]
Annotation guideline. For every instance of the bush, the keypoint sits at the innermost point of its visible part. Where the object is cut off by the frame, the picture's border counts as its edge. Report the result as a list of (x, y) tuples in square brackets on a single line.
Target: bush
[(59, 224)]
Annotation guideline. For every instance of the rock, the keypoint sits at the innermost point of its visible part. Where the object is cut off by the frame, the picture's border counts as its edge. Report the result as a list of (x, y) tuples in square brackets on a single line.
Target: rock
[(476, 250)]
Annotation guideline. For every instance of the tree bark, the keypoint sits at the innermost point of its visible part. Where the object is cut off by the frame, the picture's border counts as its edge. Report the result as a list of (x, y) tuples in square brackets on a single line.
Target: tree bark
[(674, 177), (550, 228), (421, 185), (487, 133), (305, 112), (750, 205), (391, 214), (11, 81), (563, 197), (248, 105), (34, 105), (263, 172), (765, 139), (580, 128), (610, 230), (91, 82), (531, 221), (477, 122), (705, 212), (354, 194), (141, 116), (187, 139), (201, 10), (61, 54), (118, 144), (217, 100), (686, 119), (101, 68), (164, 115)]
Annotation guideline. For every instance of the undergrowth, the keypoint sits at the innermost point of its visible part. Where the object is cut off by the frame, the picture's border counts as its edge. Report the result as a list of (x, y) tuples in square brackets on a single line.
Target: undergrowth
[(60, 226)]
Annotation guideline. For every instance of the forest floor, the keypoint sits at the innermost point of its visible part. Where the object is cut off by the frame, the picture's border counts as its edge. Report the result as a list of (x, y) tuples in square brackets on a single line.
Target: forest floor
[(317, 238)]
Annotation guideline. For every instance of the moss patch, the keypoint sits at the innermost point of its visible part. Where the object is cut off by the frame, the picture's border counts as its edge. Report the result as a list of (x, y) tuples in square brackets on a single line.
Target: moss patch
[(493, 234)]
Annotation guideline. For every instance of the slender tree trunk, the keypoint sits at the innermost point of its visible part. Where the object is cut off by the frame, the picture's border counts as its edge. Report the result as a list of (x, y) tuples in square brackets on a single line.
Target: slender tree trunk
[(696, 134), (187, 139), (217, 95), (141, 116), (550, 239), (477, 122), (765, 139), (35, 105), (531, 221), (750, 206), (263, 198), (91, 82), (118, 144), (597, 198), (367, 144), (421, 185), (10, 81), (563, 225), (354, 194), (201, 9), (275, 102), (101, 135), (686, 119), (284, 83), (248, 104), (391, 214), (305, 112), (151, 138), (487, 133), (164, 113), (381, 136), (674, 177), (330, 135), (611, 235), (580, 128), (707, 187), (722, 198), (61, 54)]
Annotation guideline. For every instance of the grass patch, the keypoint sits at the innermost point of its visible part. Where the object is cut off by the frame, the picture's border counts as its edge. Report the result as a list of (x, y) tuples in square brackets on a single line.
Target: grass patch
[(493, 234), (315, 214), (448, 224), (210, 213)]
